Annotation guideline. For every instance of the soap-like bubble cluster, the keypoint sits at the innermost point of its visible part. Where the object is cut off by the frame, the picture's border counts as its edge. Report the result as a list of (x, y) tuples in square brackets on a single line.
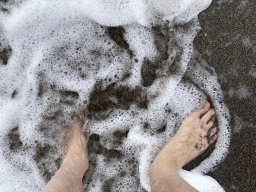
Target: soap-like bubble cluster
[(128, 68)]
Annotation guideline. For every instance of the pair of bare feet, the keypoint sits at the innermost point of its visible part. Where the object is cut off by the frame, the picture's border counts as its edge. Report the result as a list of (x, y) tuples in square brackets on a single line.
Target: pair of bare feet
[(194, 136)]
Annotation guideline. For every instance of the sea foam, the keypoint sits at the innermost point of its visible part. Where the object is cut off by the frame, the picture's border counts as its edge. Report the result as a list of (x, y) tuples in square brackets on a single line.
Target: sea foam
[(128, 68)]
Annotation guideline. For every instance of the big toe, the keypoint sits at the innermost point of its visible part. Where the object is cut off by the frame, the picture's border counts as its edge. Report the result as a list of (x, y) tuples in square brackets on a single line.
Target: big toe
[(201, 110), (77, 125)]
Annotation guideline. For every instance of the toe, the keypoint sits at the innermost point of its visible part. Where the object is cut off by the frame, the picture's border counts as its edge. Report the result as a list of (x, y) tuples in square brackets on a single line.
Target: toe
[(201, 110), (213, 131), (209, 125), (213, 135), (213, 139), (207, 116), (77, 125), (205, 146)]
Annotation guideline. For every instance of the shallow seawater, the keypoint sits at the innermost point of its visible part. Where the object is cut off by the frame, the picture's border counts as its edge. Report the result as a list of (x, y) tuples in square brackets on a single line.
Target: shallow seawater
[(131, 77)]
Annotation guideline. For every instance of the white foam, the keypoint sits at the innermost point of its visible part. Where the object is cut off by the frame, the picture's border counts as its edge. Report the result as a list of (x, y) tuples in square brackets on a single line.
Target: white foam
[(201, 182), (61, 46)]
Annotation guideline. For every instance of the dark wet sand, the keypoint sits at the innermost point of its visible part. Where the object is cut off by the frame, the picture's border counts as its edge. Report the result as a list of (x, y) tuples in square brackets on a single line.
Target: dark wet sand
[(227, 42)]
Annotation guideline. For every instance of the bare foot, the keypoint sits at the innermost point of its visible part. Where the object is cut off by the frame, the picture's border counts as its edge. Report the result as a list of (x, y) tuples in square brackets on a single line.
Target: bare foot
[(193, 137), (75, 163), (76, 160)]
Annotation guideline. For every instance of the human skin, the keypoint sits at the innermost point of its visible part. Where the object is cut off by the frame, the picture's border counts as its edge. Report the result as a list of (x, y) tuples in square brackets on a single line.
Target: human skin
[(193, 137), (69, 177)]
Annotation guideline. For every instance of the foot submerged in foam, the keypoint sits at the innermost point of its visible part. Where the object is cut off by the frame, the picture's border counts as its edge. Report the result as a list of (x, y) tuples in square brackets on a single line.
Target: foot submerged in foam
[(76, 159), (194, 136)]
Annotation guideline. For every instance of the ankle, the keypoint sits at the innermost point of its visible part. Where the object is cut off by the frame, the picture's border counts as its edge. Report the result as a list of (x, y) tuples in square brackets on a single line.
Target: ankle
[(71, 173), (75, 164), (161, 178), (169, 159)]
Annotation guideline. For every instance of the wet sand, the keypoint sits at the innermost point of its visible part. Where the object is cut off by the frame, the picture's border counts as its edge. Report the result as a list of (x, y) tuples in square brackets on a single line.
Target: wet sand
[(227, 42)]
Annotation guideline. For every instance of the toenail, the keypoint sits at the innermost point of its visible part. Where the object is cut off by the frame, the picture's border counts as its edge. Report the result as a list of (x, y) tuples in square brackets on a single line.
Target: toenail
[(206, 104)]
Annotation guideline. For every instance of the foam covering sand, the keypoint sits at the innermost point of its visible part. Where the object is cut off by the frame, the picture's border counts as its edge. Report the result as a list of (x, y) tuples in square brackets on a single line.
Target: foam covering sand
[(127, 67)]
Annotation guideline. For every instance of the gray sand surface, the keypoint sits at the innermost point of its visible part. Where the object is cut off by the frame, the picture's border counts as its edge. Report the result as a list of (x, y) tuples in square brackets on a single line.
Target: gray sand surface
[(228, 43)]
